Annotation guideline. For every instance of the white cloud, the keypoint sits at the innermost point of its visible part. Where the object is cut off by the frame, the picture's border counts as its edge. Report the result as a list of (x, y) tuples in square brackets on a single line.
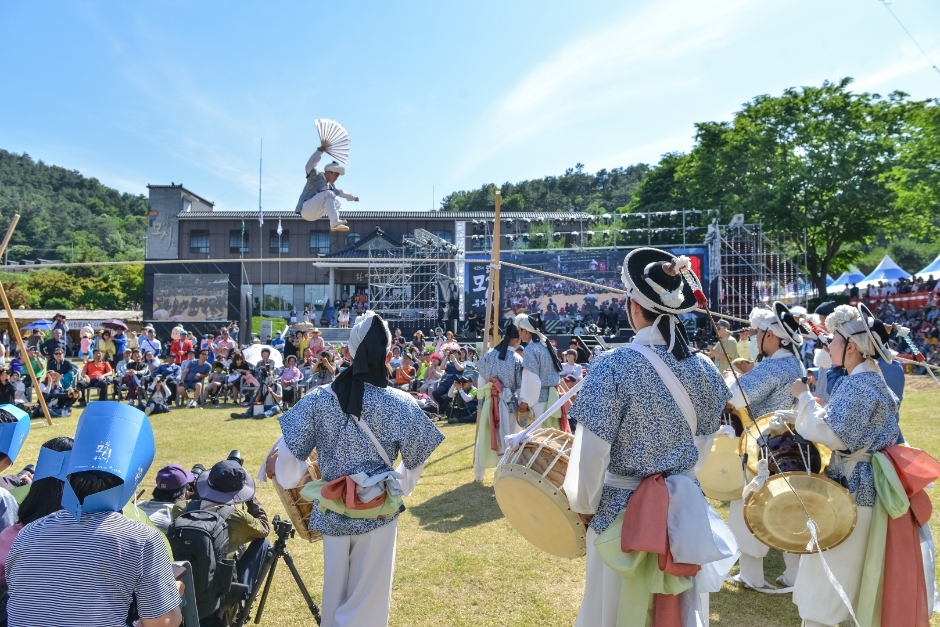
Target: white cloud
[(605, 69)]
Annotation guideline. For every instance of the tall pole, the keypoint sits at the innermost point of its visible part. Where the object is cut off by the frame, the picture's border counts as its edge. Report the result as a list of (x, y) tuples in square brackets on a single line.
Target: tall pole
[(16, 330), (261, 228), (492, 291)]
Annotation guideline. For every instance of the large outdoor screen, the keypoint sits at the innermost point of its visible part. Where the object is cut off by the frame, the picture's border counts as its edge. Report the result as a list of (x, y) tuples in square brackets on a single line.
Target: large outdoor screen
[(190, 297)]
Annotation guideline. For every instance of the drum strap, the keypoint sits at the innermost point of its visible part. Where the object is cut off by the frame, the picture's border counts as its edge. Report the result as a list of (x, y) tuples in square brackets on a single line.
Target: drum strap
[(672, 382)]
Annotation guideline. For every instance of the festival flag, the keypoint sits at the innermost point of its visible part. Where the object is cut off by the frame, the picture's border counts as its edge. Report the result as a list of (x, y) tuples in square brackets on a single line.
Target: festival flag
[(280, 230), (260, 217)]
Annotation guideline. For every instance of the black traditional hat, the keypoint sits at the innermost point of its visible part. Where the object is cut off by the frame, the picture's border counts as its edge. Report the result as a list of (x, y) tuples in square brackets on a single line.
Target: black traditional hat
[(789, 323), (826, 308), (657, 281), (878, 333)]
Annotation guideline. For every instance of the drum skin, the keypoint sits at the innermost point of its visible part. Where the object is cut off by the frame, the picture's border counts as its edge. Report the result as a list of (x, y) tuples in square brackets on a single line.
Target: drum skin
[(528, 487), (777, 517)]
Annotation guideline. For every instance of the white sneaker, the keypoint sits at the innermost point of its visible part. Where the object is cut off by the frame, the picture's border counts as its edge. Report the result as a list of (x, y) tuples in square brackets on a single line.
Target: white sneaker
[(192, 403), (339, 226)]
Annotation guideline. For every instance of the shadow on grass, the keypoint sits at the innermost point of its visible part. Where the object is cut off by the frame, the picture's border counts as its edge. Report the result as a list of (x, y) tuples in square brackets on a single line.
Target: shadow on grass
[(468, 505)]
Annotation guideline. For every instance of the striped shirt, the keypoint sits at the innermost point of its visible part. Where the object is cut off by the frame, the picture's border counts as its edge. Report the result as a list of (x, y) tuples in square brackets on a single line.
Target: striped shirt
[(68, 573)]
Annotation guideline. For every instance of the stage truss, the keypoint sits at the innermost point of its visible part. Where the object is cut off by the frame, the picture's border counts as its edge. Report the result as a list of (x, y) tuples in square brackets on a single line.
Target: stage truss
[(405, 283), (753, 270)]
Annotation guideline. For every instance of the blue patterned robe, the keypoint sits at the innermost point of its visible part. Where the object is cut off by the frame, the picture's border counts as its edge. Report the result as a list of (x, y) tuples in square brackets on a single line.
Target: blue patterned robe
[(626, 403), (863, 413), (318, 422), (767, 385), (508, 371), (538, 360)]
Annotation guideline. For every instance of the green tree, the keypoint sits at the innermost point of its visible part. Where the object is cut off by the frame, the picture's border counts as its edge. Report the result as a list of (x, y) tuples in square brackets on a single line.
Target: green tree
[(916, 176)]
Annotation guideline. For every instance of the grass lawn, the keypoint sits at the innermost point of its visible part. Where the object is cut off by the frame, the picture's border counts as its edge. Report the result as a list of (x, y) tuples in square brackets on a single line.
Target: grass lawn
[(459, 562)]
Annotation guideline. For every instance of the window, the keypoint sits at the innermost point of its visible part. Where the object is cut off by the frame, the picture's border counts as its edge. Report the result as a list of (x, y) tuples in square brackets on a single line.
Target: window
[(316, 296), (444, 235), (320, 242), (199, 242), (237, 241), (352, 239), (278, 298), (279, 243)]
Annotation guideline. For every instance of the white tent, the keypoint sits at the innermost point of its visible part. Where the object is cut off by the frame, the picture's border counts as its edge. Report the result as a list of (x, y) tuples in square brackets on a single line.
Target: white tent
[(933, 268), (886, 271), (849, 277)]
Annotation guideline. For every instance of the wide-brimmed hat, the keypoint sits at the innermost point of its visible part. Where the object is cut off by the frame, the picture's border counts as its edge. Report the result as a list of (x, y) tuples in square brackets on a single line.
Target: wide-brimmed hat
[(657, 276), (226, 482), (878, 333), (314, 330), (788, 321)]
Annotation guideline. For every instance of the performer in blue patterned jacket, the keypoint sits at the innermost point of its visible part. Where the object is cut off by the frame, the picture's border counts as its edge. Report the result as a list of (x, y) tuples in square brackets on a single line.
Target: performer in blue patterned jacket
[(767, 387), (500, 371), (860, 419), (644, 414), (540, 368), (358, 427)]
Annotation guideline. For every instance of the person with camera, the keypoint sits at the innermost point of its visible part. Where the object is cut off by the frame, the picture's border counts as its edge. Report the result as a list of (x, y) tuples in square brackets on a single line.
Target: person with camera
[(464, 409), (227, 492), (325, 370), (269, 395), (452, 369), (357, 425), (194, 377), (404, 374)]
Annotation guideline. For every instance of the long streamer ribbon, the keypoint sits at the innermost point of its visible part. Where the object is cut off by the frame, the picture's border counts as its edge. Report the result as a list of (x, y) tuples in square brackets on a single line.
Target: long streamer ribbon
[(832, 578)]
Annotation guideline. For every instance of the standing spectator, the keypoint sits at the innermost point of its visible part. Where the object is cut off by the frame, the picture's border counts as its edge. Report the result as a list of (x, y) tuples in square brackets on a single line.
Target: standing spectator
[(728, 343), (57, 340), (233, 330), (5, 340), (151, 343), (58, 322), (193, 378), (277, 342), (306, 314), (180, 348), (344, 318), (315, 343), (84, 345), (291, 345), (107, 347), (3, 355), (293, 315), (97, 374), (120, 343), (34, 339), (208, 343)]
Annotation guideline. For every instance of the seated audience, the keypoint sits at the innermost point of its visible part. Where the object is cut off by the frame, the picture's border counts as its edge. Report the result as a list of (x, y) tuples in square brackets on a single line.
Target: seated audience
[(97, 374), (172, 488)]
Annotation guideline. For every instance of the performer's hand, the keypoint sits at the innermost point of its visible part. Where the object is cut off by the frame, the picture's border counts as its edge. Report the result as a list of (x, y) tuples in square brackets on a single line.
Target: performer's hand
[(355, 198), (269, 465), (586, 518), (523, 407), (324, 147), (798, 388)]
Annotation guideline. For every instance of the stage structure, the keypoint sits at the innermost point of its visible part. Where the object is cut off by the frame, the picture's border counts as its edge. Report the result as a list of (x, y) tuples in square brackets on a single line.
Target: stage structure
[(752, 269), (414, 283)]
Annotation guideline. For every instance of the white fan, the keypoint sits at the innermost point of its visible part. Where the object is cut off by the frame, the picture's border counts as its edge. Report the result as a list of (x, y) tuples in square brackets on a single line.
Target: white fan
[(336, 138)]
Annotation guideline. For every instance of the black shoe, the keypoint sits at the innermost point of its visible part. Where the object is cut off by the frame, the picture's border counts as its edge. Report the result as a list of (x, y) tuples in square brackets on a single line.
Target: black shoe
[(238, 416)]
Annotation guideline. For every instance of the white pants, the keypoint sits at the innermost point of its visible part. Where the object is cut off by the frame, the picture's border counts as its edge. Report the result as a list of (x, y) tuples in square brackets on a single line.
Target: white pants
[(818, 602), (357, 578), (601, 600), (752, 549), (323, 204)]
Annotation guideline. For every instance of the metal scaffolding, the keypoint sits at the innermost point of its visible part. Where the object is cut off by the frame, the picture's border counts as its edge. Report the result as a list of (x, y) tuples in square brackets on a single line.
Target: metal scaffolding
[(406, 283), (754, 270)]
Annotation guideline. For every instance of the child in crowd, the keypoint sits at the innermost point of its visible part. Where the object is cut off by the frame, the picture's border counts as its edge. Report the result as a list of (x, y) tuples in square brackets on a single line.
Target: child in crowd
[(159, 394)]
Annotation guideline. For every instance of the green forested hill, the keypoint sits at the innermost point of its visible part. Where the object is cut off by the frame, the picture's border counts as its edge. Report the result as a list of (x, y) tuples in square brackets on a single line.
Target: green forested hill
[(576, 190), (64, 215), (67, 216)]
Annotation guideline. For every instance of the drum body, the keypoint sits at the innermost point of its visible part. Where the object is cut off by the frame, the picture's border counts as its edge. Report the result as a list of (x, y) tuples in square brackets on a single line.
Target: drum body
[(777, 514), (721, 477), (787, 452), (528, 486), (299, 508)]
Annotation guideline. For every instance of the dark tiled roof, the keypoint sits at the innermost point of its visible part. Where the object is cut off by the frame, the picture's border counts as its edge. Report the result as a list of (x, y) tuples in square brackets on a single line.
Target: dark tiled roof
[(180, 187), (385, 215), (376, 244)]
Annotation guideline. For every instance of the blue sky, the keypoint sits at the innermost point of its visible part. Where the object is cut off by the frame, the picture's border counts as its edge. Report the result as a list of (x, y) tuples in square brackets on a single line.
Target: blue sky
[(446, 95)]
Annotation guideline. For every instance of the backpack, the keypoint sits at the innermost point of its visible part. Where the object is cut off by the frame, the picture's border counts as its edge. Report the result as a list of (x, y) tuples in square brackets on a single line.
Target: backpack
[(200, 537)]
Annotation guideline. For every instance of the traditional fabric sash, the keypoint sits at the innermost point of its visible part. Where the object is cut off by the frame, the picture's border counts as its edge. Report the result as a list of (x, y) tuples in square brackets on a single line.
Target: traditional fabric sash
[(342, 499), (898, 586), (493, 400), (344, 489), (563, 423)]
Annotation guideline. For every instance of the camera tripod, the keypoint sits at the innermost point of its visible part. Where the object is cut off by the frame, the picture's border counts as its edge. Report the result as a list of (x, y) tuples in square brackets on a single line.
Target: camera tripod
[(284, 530)]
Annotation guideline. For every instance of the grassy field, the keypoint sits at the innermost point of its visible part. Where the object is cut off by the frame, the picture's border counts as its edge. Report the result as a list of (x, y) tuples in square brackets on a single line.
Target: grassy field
[(459, 562)]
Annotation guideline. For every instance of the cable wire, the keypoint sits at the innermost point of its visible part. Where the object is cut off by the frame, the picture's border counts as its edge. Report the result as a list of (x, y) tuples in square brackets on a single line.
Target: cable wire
[(886, 4)]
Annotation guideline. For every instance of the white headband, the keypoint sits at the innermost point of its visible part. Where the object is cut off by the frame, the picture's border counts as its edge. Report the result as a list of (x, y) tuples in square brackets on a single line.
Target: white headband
[(335, 167), (522, 322), (361, 328)]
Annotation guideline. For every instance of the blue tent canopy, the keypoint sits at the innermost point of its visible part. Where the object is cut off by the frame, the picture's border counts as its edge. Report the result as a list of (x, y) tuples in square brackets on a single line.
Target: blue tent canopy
[(933, 268), (849, 277), (42, 325), (829, 280), (887, 270)]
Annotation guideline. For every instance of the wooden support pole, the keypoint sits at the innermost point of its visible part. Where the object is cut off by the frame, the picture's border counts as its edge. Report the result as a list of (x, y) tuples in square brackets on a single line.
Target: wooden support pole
[(16, 329), (491, 317)]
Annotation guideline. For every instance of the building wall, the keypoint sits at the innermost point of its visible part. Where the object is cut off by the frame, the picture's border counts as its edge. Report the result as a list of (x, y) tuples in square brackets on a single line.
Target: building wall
[(163, 232)]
